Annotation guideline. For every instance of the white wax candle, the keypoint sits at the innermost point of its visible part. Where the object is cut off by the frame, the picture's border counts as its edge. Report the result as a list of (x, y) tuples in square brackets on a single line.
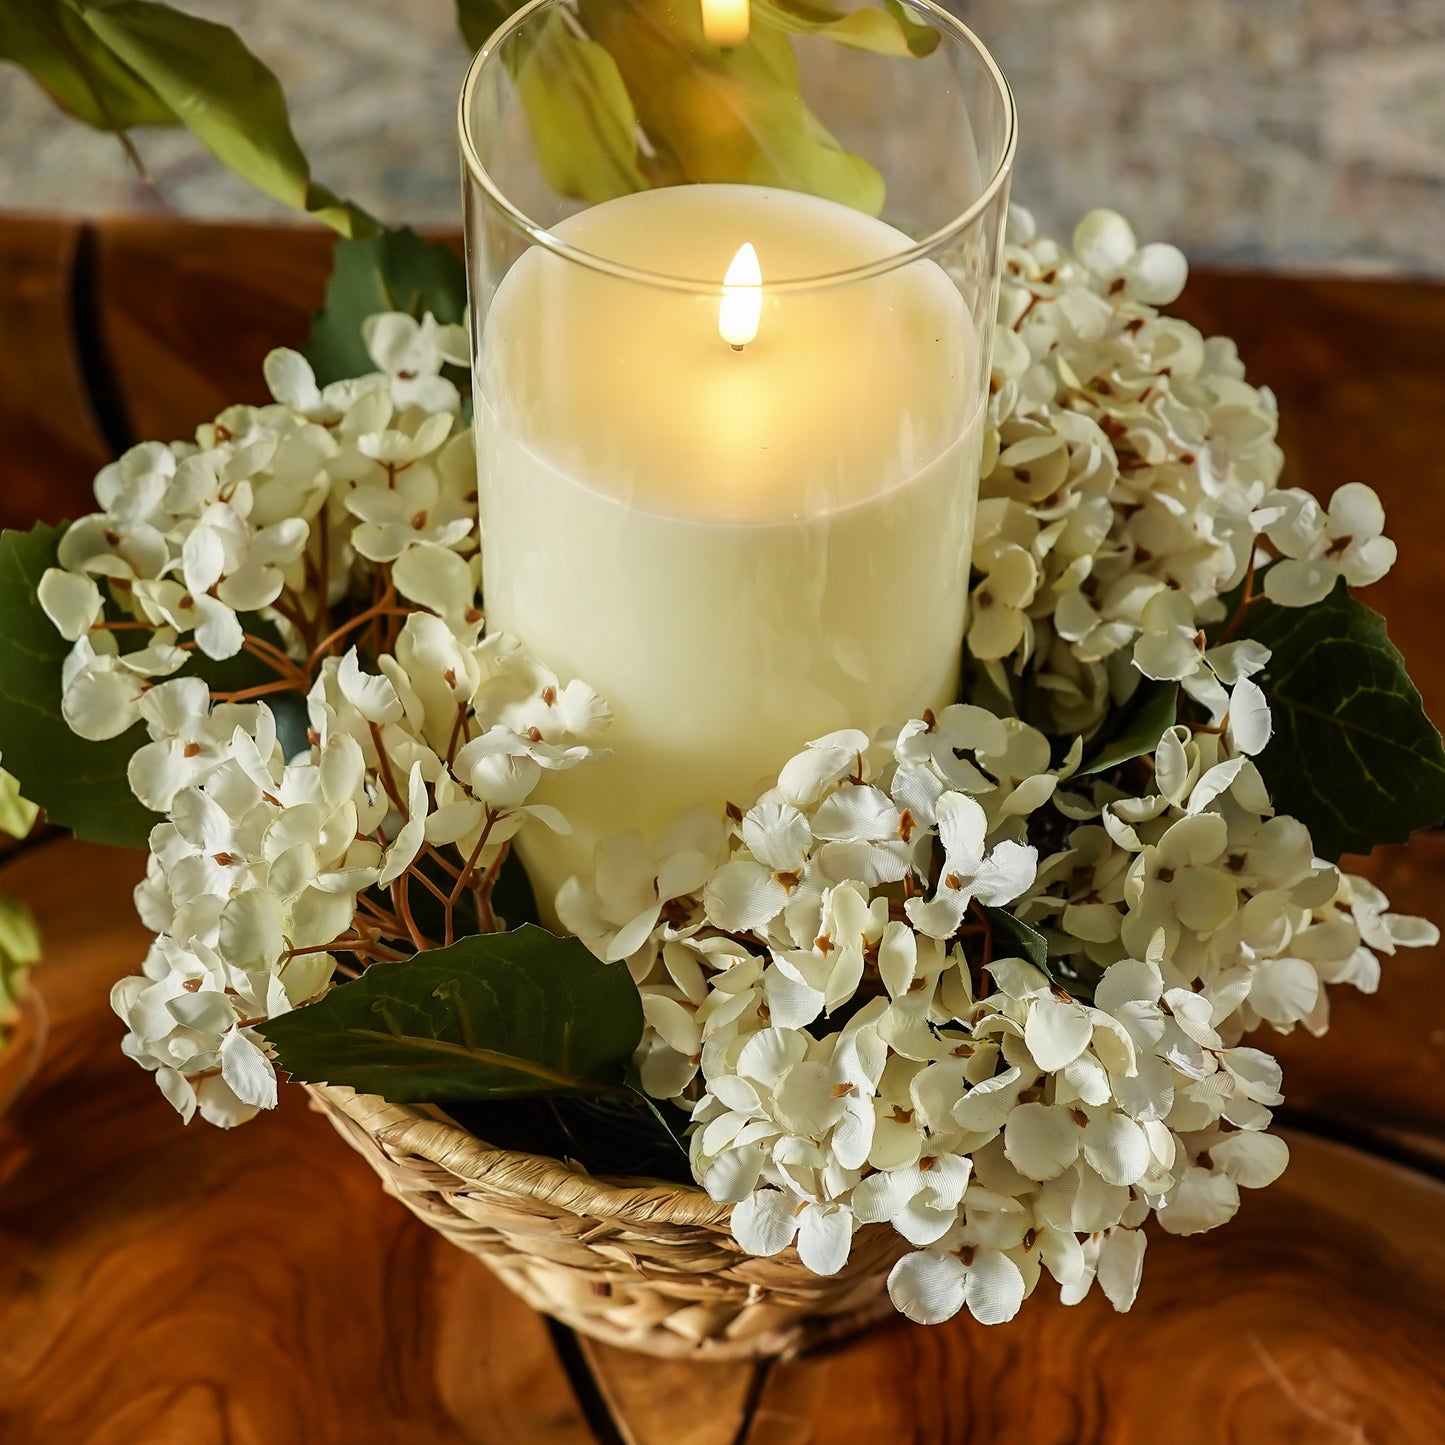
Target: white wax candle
[(740, 550)]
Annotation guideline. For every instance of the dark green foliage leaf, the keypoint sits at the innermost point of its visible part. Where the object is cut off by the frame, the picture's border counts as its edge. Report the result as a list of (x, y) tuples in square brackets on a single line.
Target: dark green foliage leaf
[(494, 1016), (1073, 972), (81, 785), (670, 1120), (1015, 939), (223, 95), (609, 1136), (388, 271), (48, 38), (1137, 728), (121, 63), (292, 722), (478, 18), (1353, 754), (1012, 938)]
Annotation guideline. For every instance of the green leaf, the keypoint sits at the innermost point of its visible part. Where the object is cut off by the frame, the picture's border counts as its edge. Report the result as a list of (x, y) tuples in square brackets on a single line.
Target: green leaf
[(388, 271), (1012, 938), (19, 935), (223, 95), (923, 39), (81, 785), (671, 1120), (48, 39), (724, 115), (17, 814), (635, 97), (889, 31), (19, 948), (583, 124), (1136, 730), (498, 1015), (1353, 755), (122, 63), (478, 18), (580, 114)]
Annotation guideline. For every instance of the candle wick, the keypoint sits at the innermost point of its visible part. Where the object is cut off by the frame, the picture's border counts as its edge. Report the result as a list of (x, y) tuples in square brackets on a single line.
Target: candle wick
[(735, 346)]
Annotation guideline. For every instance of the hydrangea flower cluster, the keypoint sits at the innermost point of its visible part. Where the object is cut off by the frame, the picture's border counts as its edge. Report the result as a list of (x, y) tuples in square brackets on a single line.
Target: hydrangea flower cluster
[(957, 980), (304, 842), (1130, 481), (834, 987)]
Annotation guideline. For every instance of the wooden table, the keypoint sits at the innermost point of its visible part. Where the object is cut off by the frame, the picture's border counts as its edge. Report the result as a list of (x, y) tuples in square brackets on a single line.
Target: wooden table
[(161, 1284)]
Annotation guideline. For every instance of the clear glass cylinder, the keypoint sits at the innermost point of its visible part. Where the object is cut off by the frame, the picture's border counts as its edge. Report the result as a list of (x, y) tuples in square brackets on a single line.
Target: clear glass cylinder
[(733, 279)]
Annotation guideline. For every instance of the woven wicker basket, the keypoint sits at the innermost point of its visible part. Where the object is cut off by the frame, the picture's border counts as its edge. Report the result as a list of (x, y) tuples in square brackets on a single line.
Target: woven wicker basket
[(648, 1266)]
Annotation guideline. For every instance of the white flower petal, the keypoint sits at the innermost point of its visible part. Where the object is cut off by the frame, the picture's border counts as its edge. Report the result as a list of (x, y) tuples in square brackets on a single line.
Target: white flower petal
[(743, 896), (1041, 1140), (247, 1071), (1116, 1147), (1056, 1032), (1252, 1160), (994, 1288), (928, 1287), (1203, 1199), (1121, 1266), (71, 601), (825, 1236), (764, 1223), (732, 1177)]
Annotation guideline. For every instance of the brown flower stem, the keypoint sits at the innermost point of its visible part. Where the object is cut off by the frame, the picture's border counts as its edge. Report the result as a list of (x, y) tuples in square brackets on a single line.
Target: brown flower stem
[(472, 857), (323, 590), (1247, 599), (461, 733), (486, 916), (386, 920), (388, 778), (403, 906), (328, 643), (440, 860), (294, 615), (273, 656), (266, 689), (430, 887)]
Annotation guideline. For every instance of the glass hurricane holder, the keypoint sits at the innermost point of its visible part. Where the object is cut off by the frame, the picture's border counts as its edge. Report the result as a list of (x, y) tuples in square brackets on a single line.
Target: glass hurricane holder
[(728, 429)]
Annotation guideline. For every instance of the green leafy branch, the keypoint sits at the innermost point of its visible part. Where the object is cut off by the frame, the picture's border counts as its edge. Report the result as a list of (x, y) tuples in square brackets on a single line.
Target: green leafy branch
[(119, 64), (625, 94)]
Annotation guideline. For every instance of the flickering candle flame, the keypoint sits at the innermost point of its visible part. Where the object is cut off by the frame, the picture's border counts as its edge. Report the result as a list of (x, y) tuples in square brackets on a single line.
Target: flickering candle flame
[(741, 307), (725, 22)]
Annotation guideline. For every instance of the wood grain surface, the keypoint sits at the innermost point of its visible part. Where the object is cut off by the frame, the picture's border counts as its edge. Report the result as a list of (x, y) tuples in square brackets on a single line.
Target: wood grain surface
[(161, 1284), (53, 443), (1314, 1318), (187, 1286)]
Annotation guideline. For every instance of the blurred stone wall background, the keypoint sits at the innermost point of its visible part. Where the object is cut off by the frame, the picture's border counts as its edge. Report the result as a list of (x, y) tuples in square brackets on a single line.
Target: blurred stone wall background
[(1301, 134)]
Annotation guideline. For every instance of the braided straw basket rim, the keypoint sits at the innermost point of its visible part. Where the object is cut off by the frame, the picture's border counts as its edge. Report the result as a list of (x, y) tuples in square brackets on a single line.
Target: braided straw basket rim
[(442, 1141), (645, 1264)]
